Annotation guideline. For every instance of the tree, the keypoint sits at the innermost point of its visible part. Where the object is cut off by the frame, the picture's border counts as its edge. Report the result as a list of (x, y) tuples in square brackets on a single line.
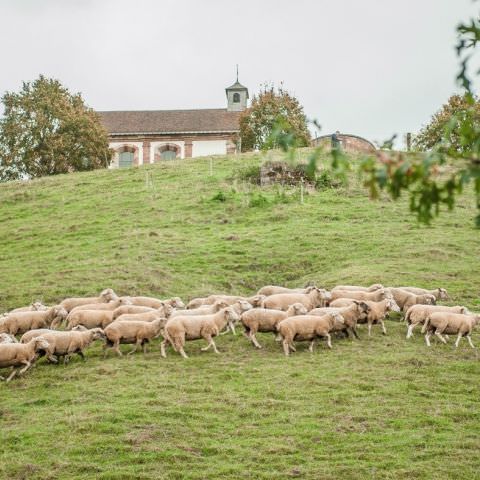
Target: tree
[(444, 129), (46, 130), (272, 110)]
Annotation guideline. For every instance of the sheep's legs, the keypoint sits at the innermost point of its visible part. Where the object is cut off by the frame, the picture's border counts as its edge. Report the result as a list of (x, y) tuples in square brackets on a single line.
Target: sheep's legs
[(211, 343), (469, 338), (329, 340), (384, 330), (440, 336), (232, 328), (354, 331), (13, 374), (369, 329), (278, 337), (410, 330), (286, 348), (254, 340), (182, 352), (162, 349), (427, 339), (116, 348), (310, 347), (458, 340), (138, 343)]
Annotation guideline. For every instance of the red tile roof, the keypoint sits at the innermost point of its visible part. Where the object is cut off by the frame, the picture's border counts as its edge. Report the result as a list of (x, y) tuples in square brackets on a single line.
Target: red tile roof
[(170, 121)]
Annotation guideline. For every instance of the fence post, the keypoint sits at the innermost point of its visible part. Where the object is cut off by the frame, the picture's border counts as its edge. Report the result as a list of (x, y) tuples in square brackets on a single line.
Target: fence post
[(211, 166), (301, 192)]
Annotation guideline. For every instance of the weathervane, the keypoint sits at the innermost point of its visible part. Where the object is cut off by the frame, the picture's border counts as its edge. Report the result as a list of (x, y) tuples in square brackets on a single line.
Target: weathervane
[(237, 72)]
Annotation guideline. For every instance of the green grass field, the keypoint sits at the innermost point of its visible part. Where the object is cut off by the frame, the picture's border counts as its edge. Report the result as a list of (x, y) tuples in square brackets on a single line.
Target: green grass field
[(380, 407)]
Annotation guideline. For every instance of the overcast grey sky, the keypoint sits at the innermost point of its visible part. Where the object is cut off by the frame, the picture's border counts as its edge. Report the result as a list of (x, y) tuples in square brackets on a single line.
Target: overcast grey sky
[(369, 67)]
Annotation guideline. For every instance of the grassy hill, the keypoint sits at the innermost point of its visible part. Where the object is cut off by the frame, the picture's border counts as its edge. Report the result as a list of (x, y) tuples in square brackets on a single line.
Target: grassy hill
[(375, 408)]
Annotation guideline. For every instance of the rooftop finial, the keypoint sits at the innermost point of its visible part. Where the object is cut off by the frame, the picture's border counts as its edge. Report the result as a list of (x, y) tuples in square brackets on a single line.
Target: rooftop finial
[(237, 72)]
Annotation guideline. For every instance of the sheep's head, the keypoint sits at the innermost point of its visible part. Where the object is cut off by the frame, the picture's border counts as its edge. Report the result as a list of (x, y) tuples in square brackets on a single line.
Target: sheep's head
[(219, 305), (108, 295), (392, 305), (443, 294), (375, 287), (79, 328), (59, 314), (337, 317), (231, 315), (429, 299), (39, 344), (97, 334), (299, 309), (158, 325), (38, 307), (176, 302), (6, 338), (166, 310), (243, 305), (257, 300), (124, 301), (363, 309), (465, 311), (195, 303)]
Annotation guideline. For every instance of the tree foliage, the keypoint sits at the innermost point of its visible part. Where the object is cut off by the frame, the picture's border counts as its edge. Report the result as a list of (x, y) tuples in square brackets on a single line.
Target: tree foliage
[(273, 110), (444, 130), (46, 130)]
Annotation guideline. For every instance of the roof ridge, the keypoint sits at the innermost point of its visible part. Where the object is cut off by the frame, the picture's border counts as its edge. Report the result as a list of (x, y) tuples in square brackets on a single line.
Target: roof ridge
[(168, 110)]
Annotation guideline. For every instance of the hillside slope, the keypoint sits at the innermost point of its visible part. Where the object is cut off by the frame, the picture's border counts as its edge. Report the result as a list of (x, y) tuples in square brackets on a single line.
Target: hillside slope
[(380, 407)]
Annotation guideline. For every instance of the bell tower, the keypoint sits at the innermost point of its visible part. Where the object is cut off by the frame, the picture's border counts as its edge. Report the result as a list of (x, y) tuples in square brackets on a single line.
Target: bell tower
[(237, 96)]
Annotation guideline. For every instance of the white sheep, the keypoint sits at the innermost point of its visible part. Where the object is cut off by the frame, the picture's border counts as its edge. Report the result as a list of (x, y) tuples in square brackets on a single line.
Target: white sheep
[(132, 332), (20, 357), (34, 307), (89, 318), (268, 290), (187, 327), (7, 338), (105, 296), (371, 288), (175, 302), (307, 328), (375, 296), (417, 314), (406, 299), (114, 304), (450, 324), (315, 297), (65, 344), (21, 322), (266, 320), (438, 293)]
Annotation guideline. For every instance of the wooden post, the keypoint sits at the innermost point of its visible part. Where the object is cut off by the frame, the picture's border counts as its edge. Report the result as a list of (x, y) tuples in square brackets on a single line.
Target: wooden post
[(409, 141), (211, 166), (301, 192)]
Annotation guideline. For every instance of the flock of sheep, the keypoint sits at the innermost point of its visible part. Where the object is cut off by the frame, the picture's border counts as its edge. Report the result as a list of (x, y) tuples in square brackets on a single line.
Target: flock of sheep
[(304, 314)]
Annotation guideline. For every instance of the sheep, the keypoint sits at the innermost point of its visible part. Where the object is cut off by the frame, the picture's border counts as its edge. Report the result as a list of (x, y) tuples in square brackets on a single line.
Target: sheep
[(417, 314), (202, 310), (438, 293), (152, 302), (351, 314), (34, 307), (18, 355), (404, 298), (65, 344), (375, 296), (106, 295), (132, 332), (273, 290), (131, 309), (424, 299), (307, 327), (143, 317), (89, 318), (450, 323), (378, 312), (315, 297), (6, 338), (266, 320), (21, 322), (255, 300), (182, 328), (104, 306), (371, 288)]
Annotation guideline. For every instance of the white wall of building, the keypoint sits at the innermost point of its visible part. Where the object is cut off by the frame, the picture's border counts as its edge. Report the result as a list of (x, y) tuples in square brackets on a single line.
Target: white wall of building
[(116, 145), (201, 148)]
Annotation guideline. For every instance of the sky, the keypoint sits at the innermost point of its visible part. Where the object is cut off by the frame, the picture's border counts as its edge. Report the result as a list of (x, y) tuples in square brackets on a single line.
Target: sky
[(371, 68)]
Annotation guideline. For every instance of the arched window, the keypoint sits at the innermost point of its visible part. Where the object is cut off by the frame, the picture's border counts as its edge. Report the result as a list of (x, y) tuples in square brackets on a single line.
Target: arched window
[(168, 155), (126, 157), (167, 152), (236, 98)]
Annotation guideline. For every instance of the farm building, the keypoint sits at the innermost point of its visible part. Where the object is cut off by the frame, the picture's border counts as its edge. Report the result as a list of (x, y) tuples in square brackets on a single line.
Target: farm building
[(348, 143), (142, 137)]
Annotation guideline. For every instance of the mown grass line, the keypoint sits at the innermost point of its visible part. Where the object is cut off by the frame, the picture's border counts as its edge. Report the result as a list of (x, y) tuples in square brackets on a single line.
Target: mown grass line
[(377, 408)]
